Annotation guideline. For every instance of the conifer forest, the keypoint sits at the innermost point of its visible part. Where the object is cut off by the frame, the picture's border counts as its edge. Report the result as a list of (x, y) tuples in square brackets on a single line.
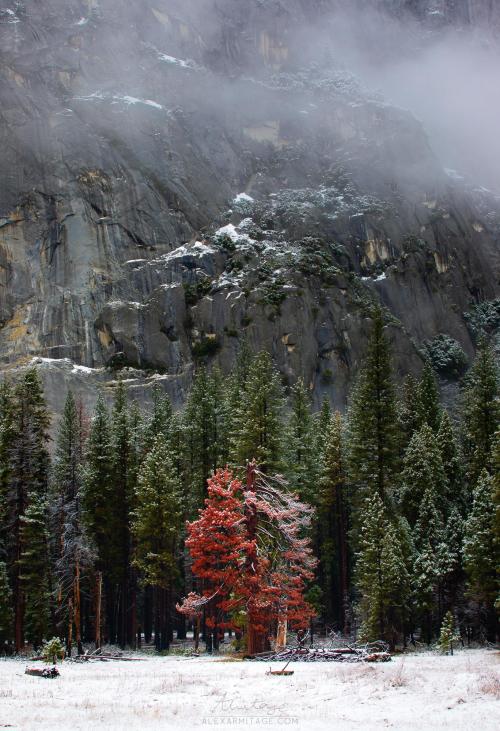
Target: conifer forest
[(245, 511)]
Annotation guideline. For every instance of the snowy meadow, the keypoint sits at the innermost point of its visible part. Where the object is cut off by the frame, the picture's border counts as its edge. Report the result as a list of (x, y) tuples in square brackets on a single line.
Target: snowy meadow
[(420, 692)]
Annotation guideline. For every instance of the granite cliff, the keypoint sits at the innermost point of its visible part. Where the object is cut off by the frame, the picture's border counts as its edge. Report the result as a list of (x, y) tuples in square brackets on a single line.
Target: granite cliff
[(178, 175)]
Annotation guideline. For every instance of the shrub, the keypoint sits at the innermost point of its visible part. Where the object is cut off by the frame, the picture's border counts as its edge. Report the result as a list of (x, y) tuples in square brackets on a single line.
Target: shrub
[(53, 650), (446, 355)]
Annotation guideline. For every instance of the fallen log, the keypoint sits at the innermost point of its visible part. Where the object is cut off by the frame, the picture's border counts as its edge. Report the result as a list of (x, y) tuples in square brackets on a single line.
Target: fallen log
[(43, 672)]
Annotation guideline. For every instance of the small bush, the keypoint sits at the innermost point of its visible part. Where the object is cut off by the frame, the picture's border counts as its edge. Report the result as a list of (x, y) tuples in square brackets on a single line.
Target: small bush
[(483, 319), (53, 650), (205, 347), (447, 356)]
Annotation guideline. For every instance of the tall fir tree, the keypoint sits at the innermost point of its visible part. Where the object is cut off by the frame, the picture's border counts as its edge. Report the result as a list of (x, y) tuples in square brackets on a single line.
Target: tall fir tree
[(408, 412), (332, 526), (452, 463), (157, 527), (482, 552), (302, 458), (205, 428), (259, 425), (373, 442), (34, 571), (428, 536), (122, 496), (27, 469), (74, 553), (481, 411), (100, 515), (428, 405), (381, 575), (159, 421), (6, 613), (423, 467)]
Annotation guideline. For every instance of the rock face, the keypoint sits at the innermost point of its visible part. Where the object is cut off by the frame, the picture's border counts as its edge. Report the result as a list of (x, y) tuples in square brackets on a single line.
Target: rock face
[(177, 175)]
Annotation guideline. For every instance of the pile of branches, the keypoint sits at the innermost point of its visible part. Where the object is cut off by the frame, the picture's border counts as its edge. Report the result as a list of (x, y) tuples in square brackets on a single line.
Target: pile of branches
[(104, 656), (374, 652)]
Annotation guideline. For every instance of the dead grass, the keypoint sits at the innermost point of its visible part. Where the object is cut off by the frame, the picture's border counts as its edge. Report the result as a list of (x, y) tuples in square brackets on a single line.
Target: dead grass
[(489, 684)]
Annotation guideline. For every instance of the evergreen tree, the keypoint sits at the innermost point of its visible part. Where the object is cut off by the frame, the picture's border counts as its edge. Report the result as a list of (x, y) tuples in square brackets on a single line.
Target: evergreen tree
[(7, 432), (156, 528), (122, 497), (482, 552), (332, 546), (74, 554), (448, 635), (6, 613), (259, 431), (159, 421), (34, 571), (428, 407), (97, 502), (408, 411), (452, 463), (26, 480), (481, 411), (321, 424), (450, 562), (205, 428), (382, 576), (423, 468), (302, 456), (373, 449), (428, 535)]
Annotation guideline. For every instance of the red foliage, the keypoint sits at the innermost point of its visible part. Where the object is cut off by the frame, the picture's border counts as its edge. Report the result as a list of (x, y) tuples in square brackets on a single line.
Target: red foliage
[(248, 553)]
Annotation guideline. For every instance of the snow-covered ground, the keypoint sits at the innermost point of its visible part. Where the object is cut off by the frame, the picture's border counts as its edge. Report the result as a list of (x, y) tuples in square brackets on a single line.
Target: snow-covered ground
[(424, 692)]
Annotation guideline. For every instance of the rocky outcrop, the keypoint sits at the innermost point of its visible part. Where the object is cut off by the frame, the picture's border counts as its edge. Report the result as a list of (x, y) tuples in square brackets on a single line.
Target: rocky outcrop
[(179, 175)]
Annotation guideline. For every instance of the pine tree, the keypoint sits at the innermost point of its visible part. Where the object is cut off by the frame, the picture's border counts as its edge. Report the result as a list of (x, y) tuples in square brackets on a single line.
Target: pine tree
[(448, 635), (6, 613), (408, 412), (156, 528), (452, 463), (122, 497), (27, 467), (423, 467), (99, 510), (428, 535), (7, 432), (259, 431), (73, 549), (450, 562), (205, 428), (373, 449), (429, 409), (382, 577), (34, 571), (302, 457), (482, 552), (481, 411), (332, 543), (159, 421)]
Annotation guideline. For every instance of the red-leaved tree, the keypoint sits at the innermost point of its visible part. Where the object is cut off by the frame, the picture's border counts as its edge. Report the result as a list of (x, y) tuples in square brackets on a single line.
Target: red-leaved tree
[(250, 556)]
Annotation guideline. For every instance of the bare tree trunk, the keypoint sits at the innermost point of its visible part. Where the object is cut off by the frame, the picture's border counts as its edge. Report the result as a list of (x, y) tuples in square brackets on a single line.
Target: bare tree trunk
[(281, 634), (69, 641), (78, 609), (98, 603), (196, 630)]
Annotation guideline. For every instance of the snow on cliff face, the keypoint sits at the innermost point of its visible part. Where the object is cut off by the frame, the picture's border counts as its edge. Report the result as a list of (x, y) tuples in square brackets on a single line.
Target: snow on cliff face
[(130, 131)]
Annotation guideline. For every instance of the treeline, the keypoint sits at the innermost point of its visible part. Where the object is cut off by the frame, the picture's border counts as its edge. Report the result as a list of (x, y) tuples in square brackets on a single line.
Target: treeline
[(407, 501)]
